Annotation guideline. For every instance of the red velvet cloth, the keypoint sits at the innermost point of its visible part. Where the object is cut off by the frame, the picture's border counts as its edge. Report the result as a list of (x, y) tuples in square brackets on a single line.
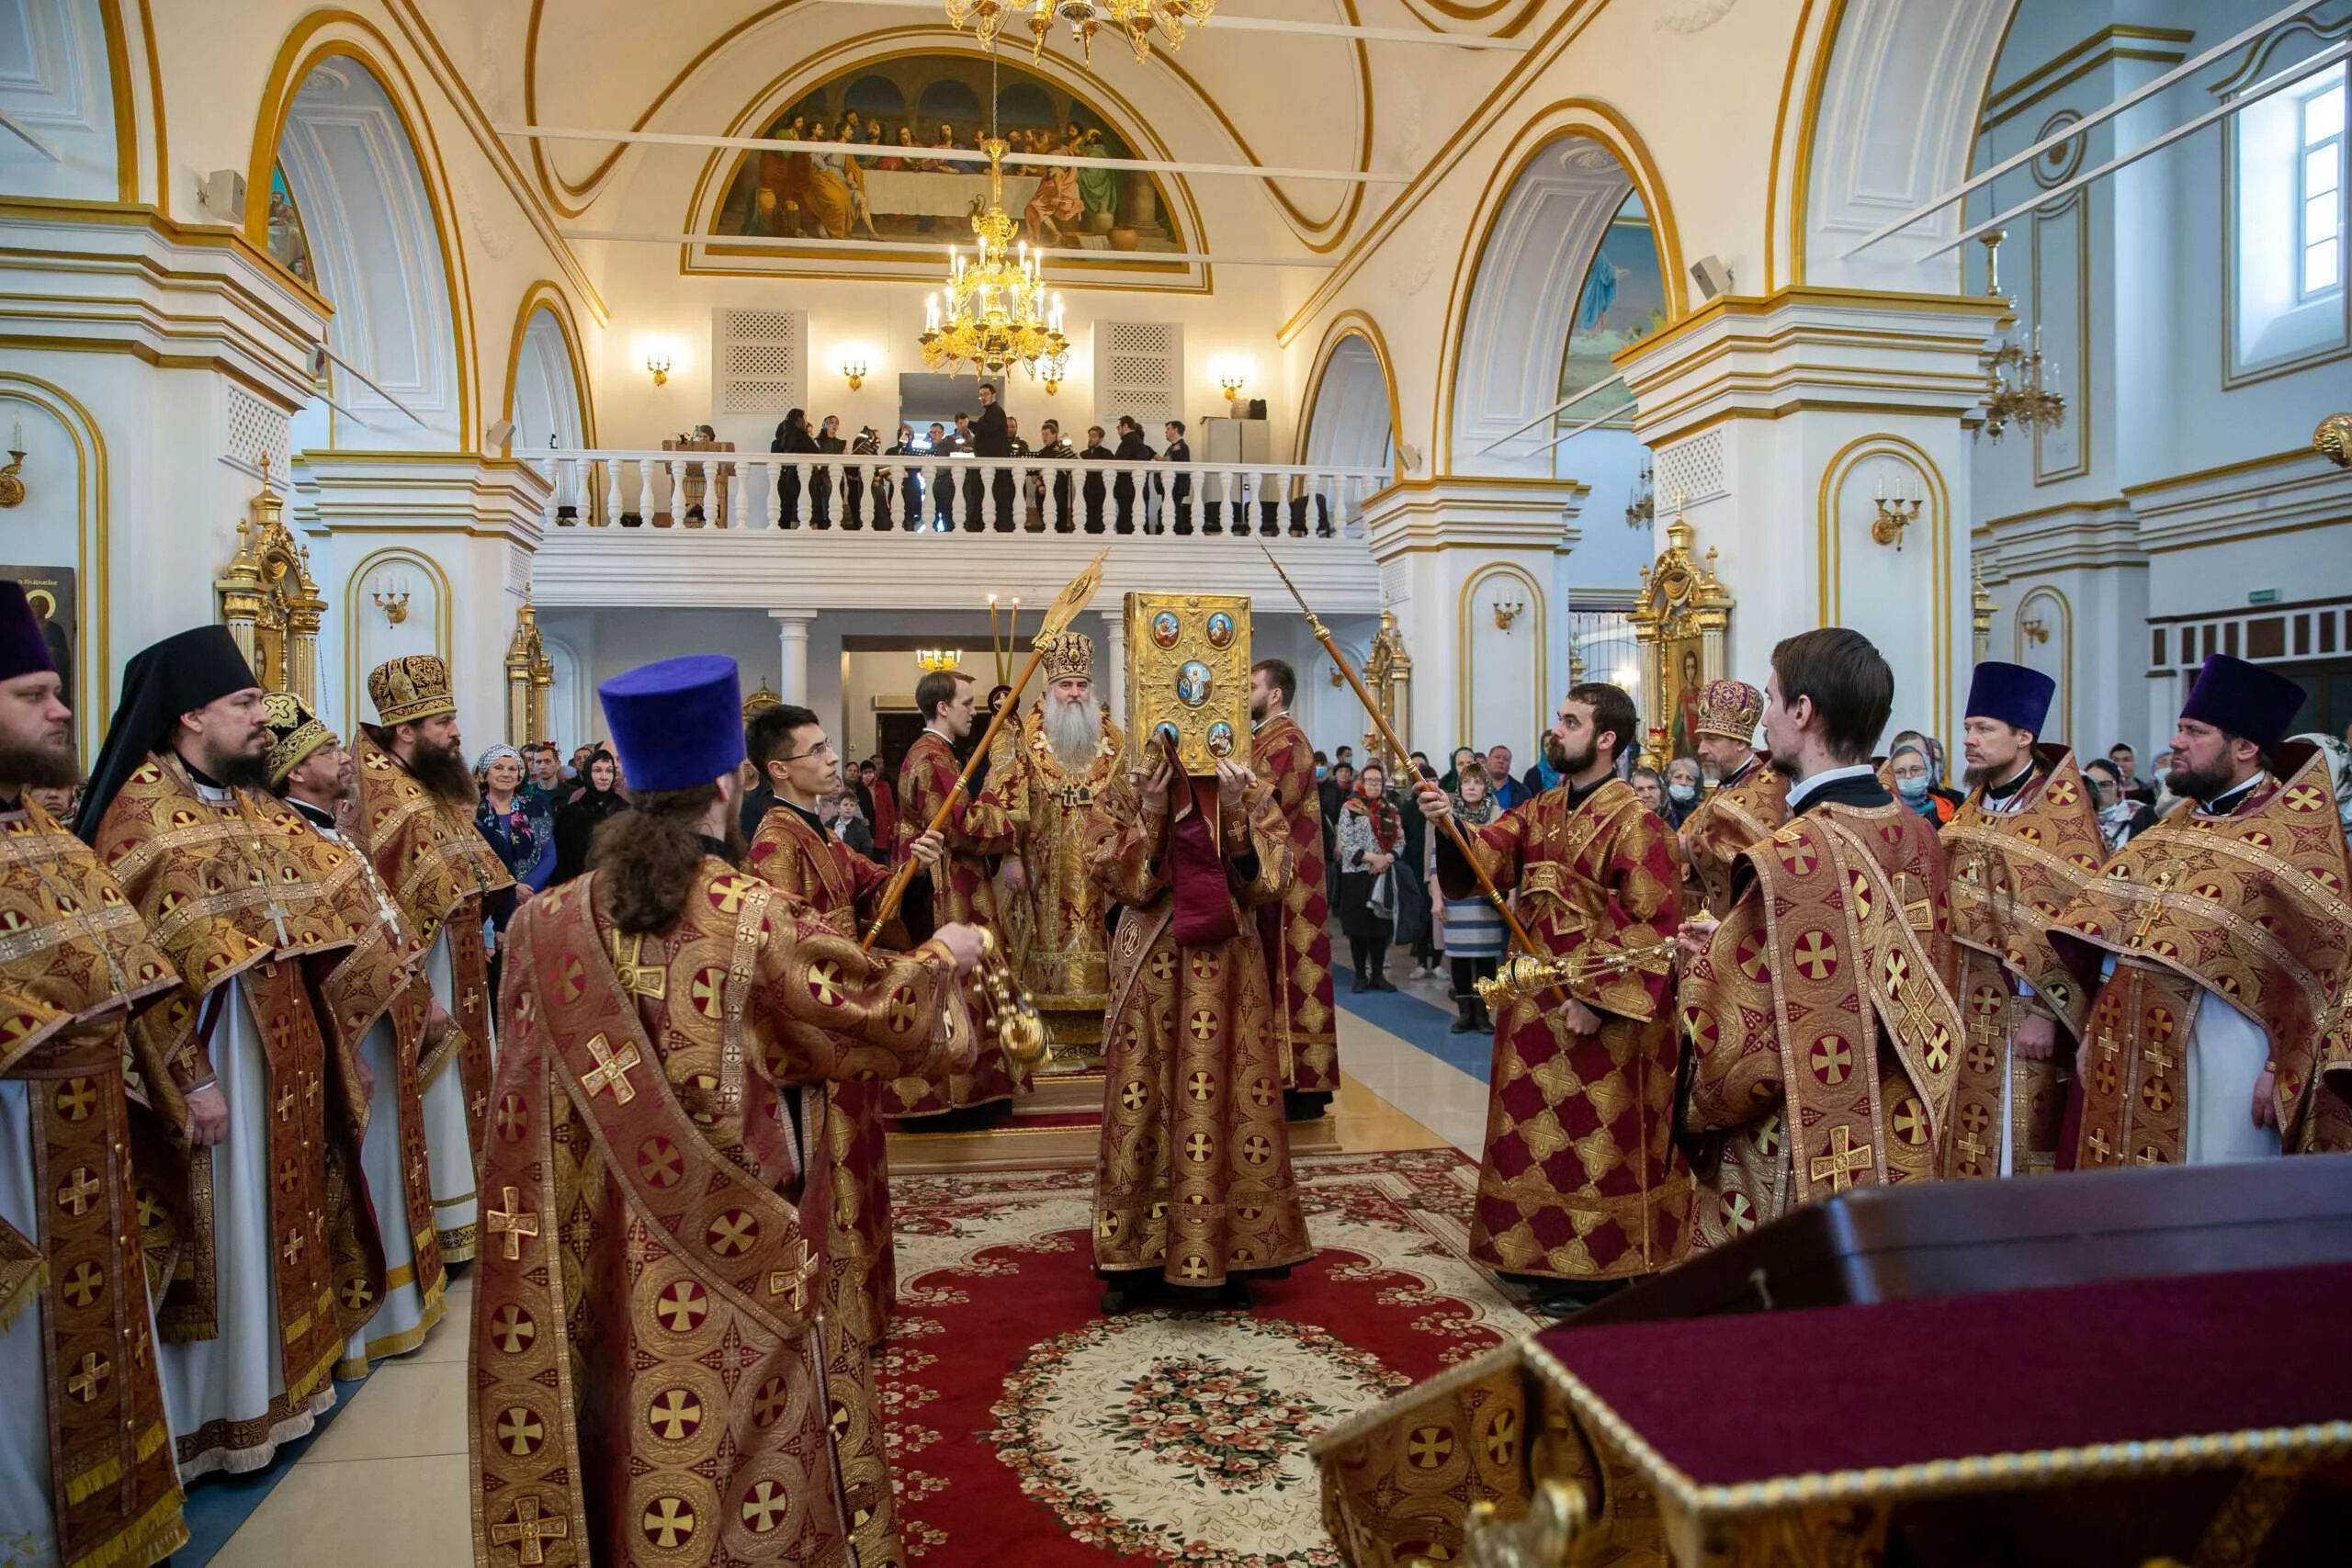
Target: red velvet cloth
[(1733, 1399), (1204, 914)]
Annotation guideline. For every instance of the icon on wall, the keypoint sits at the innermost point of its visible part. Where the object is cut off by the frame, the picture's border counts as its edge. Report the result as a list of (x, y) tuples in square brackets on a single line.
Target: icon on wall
[(50, 591)]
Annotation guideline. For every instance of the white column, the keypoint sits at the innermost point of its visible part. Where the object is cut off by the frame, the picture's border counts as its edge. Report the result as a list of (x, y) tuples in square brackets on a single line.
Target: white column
[(1111, 668), (792, 644)]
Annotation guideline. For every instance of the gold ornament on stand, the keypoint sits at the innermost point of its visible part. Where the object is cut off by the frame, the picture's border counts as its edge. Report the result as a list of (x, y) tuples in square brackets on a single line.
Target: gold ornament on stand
[(1682, 621), (530, 676), (1388, 670), (268, 601)]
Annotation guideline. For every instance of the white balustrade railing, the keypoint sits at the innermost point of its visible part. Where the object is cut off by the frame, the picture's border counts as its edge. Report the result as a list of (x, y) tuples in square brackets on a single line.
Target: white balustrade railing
[(958, 494)]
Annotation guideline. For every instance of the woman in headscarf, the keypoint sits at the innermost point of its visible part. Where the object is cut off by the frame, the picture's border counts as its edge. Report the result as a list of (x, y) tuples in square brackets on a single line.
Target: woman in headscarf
[(1475, 936), (575, 825), (1371, 835), (1915, 780), (791, 436), (503, 818)]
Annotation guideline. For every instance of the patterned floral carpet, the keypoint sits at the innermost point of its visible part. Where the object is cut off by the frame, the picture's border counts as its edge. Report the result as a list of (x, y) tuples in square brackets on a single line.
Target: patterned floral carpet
[(1027, 1428)]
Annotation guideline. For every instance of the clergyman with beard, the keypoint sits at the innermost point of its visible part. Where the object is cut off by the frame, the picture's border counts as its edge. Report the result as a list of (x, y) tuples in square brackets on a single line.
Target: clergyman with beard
[(416, 818), (236, 1133), (1045, 773), (1598, 882)]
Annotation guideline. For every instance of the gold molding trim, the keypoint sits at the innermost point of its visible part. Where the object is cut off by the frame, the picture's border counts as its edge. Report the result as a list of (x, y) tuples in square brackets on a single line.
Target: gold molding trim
[(1474, 11), (547, 292), (93, 552), (2218, 471), (1829, 545), (2008, 519), (1464, 644), (155, 103), (297, 58), (1347, 324), (1560, 121), (126, 116), (442, 614), (1752, 306), (770, 100), (2035, 85)]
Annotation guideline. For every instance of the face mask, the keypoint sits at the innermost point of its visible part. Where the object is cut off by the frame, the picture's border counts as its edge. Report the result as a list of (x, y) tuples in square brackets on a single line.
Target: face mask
[(1912, 789), (2118, 812), (1682, 794), (1322, 773)]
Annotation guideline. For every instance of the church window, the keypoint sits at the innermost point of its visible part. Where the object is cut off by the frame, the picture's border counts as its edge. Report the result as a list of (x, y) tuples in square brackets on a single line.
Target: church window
[(2319, 212), (2287, 261)]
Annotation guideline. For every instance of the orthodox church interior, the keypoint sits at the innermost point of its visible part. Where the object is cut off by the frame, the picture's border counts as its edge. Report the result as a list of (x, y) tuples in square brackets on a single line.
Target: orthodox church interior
[(1479, 348)]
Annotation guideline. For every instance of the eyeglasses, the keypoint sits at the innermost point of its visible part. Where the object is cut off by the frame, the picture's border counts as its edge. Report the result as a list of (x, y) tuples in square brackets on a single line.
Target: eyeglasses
[(823, 748)]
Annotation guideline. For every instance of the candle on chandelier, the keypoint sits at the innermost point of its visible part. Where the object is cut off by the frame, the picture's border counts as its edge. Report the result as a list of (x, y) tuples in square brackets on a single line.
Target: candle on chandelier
[(931, 314), (1056, 319)]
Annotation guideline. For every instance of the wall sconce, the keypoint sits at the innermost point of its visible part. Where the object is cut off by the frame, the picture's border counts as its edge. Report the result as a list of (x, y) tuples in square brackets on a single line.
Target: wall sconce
[(1895, 513), (1232, 373), (1054, 371), (392, 599), (1506, 614), (2035, 631), (12, 478), (659, 366), (1232, 385), (853, 371)]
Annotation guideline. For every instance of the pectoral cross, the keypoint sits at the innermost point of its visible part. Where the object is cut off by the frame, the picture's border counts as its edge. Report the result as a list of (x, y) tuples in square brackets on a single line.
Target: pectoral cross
[(651, 980), (794, 1280), (528, 1533), (2151, 911), (610, 1071), (514, 1223), (1844, 1158)]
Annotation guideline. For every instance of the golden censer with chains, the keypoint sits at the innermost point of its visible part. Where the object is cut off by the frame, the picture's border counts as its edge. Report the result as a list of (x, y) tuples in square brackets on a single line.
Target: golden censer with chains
[(1012, 1016)]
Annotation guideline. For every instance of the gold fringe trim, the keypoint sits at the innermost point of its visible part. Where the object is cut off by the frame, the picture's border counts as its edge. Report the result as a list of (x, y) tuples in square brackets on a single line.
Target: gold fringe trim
[(29, 1290), (310, 1381), (391, 1345), (458, 1245), (96, 1479), (147, 1540)]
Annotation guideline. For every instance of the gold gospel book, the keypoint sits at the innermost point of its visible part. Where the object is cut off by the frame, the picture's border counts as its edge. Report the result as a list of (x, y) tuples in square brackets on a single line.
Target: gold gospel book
[(1188, 675)]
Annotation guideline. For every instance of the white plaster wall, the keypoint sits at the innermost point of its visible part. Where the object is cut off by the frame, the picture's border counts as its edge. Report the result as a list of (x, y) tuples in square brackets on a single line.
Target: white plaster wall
[(54, 83)]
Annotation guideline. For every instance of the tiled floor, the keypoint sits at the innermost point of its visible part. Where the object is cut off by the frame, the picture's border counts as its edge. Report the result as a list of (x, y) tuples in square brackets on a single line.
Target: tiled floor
[(386, 1481)]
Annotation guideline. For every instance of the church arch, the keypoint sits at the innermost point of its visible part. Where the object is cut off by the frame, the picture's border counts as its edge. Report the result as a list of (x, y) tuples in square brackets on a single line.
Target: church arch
[(1499, 662), (1351, 402), (548, 389), (1544, 217), (339, 117)]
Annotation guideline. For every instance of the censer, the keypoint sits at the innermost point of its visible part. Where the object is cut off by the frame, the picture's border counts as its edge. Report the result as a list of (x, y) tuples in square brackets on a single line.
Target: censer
[(1013, 1015)]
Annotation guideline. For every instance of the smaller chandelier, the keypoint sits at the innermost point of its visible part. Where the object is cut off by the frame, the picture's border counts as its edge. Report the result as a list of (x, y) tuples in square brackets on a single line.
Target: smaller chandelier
[(1641, 507), (930, 661), (2023, 386), (994, 312), (984, 19)]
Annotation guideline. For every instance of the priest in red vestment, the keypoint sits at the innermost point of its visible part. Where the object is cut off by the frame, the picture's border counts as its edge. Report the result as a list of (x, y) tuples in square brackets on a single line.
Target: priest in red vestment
[(1823, 1036), (1295, 931), (653, 1233), (794, 851), (86, 1477), (961, 889), (1580, 1184), (1193, 1182)]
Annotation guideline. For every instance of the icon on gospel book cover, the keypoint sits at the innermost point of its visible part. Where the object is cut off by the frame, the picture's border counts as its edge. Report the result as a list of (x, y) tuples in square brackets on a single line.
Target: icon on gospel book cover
[(1188, 671)]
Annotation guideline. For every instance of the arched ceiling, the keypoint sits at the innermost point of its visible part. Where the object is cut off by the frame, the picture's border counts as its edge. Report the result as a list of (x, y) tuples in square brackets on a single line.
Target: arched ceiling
[(1229, 96)]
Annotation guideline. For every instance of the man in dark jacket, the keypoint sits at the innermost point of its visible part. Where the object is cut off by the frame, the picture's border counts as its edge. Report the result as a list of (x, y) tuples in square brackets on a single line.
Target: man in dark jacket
[(1178, 451), (943, 480), (1132, 450), (1094, 452), (1052, 446), (991, 437)]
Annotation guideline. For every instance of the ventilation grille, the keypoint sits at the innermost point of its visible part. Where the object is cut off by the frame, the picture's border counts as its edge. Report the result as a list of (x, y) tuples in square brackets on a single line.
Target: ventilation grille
[(761, 358), (255, 428), (1140, 370), (1692, 469)]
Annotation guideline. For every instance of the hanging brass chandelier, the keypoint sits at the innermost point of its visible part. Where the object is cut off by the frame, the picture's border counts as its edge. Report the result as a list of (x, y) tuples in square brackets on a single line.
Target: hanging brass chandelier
[(994, 312), (984, 19)]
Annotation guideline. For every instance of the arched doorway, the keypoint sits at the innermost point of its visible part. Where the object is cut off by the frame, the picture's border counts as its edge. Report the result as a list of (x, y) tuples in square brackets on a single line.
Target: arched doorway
[(344, 201), (1351, 400)]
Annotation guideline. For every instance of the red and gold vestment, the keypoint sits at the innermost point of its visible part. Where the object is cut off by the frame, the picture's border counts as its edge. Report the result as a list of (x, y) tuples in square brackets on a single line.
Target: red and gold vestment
[(839, 887), (2249, 906), (1733, 816), (645, 1385), (961, 890), (238, 889), (2012, 869), (1581, 1178), (440, 868), (1823, 1036), (75, 962), (1193, 1177), (1296, 933)]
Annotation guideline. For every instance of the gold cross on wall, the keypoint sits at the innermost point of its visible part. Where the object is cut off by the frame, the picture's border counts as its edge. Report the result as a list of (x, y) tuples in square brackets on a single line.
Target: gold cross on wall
[(514, 1223)]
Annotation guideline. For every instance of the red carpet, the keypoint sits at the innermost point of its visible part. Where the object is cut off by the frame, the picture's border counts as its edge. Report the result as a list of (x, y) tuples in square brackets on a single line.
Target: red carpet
[(1028, 1430)]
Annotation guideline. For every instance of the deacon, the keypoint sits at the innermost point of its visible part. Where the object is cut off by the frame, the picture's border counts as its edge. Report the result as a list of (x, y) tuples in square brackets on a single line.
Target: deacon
[(416, 814), (796, 854), (1296, 933), (1193, 1182), (86, 1476), (2023, 845), (961, 890), (247, 1131), (643, 1377), (379, 1012), (1045, 772), (1750, 800), (1580, 1186), (1823, 1036), (2217, 940)]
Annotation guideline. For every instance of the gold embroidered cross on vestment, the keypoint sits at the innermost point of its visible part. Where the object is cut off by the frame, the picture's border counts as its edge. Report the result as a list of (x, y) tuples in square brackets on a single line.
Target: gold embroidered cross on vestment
[(1845, 1157), (611, 1070), (514, 1223)]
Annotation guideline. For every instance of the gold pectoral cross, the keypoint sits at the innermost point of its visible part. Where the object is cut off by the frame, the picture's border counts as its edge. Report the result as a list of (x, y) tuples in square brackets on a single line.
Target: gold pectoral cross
[(651, 980), (2153, 911)]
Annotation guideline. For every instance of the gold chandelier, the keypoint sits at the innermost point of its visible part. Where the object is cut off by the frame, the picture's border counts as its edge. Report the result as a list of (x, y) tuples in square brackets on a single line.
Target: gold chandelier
[(994, 311), (986, 18), (930, 661), (2021, 387)]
